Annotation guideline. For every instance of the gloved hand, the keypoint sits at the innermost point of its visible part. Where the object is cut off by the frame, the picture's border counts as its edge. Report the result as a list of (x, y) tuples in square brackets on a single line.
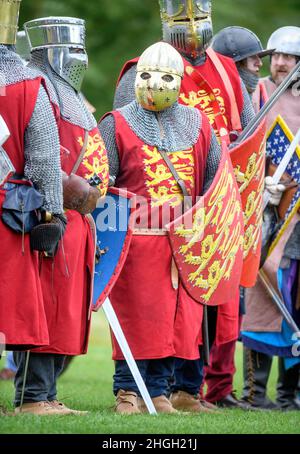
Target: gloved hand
[(274, 190), (45, 237)]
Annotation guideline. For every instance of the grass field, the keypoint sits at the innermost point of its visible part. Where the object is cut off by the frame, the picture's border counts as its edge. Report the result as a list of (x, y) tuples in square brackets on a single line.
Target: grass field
[(87, 385)]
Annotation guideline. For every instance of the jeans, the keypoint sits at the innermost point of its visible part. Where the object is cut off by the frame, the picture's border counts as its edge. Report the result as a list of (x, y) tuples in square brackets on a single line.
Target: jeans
[(156, 373), (42, 374)]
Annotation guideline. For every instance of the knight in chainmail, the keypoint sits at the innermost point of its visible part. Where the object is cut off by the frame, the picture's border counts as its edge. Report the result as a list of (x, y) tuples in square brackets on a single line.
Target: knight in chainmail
[(212, 84), (138, 136), (34, 153), (59, 57)]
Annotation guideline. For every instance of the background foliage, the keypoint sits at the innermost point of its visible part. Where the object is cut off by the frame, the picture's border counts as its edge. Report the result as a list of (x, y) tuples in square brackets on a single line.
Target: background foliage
[(120, 29)]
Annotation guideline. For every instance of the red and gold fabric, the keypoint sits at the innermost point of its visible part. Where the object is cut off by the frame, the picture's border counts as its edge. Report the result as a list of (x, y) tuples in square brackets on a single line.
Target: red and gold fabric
[(158, 320), (248, 160), (68, 278), (22, 315)]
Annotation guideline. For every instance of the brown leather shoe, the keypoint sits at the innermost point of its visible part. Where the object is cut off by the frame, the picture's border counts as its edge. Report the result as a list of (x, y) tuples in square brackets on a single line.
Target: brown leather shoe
[(161, 404), (41, 409), (60, 406), (126, 403), (7, 374), (187, 402)]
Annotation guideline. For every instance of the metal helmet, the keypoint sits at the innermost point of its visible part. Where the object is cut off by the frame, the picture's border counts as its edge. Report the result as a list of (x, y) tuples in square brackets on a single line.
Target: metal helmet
[(9, 17), (64, 39), (159, 73), (285, 40), (238, 43), (187, 25)]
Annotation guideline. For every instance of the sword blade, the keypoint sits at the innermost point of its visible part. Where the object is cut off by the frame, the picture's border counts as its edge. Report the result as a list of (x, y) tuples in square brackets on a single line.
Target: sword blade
[(118, 332)]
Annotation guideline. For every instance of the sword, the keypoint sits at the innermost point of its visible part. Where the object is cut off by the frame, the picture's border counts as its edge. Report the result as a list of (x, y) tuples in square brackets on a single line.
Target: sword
[(283, 165), (118, 332), (6, 166), (278, 301), (251, 127)]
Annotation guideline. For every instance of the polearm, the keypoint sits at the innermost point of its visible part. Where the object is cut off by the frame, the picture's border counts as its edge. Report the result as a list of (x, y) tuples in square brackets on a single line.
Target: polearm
[(118, 332), (283, 165), (278, 301), (253, 124)]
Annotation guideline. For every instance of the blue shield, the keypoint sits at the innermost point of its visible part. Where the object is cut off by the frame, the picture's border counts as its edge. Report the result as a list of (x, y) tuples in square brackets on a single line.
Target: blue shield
[(113, 219)]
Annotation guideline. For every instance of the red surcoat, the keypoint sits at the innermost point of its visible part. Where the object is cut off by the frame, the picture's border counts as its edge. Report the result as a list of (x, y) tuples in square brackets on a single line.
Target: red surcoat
[(67, 279), (22, 315), (158, 320)]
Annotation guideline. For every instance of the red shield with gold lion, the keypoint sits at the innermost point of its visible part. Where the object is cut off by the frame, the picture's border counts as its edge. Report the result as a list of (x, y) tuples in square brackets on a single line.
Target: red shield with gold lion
[(248, 160), (207, 240)]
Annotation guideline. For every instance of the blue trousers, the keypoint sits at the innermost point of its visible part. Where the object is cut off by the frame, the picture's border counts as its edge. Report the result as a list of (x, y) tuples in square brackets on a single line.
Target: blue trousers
[(156, 373), (42, 374), (188, 375)]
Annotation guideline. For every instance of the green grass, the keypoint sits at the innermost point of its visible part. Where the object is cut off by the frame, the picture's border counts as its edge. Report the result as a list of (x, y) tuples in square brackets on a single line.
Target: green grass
[(87, 385)]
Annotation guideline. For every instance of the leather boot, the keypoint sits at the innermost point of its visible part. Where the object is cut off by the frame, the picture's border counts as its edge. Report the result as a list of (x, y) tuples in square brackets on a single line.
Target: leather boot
[(186, 402), (287, 386), (257, 367), (161, 404), (127, 403)]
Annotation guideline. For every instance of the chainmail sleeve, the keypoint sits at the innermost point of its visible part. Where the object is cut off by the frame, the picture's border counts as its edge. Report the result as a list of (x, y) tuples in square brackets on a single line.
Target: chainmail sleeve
[(42, 154), (125, 90), (107, 131), (248, 112), (213, 161)]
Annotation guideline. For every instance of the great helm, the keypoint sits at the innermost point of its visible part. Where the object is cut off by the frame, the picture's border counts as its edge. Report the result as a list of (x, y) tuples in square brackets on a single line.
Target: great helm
[(285, 40), (64, 39), (238, 43), (9, 17), (187, 25), (159, 72)]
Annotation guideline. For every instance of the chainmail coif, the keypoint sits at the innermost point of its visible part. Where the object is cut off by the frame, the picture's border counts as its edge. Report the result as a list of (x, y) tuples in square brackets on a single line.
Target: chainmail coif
[(181, 125)]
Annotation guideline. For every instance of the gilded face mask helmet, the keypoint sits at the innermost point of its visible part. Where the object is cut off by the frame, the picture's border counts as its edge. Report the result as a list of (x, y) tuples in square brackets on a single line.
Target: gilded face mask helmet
[(187, 25), (9, 16), (159, 73), (64, 39)]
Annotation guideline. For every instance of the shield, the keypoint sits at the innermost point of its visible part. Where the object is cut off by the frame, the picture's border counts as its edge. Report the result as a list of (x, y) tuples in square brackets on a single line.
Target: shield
[(279, 139), (113, 219), (248, 160), (207, 240)]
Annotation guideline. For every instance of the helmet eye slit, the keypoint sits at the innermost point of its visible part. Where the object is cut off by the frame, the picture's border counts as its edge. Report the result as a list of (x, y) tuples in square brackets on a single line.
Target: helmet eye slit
[(145, 76), (167, 78)]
